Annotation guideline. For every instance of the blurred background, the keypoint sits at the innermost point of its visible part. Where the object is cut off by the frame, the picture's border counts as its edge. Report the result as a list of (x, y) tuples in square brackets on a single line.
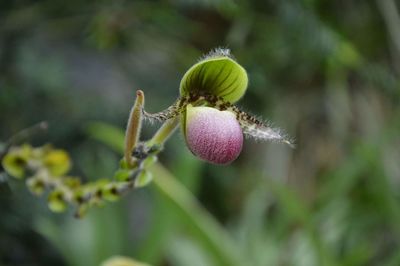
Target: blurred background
[(326, 72)]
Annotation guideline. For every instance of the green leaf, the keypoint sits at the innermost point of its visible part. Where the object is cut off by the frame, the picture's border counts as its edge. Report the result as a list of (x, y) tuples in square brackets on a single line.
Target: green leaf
[(217, 74), (201, 225), (108, 134), (144, 178)]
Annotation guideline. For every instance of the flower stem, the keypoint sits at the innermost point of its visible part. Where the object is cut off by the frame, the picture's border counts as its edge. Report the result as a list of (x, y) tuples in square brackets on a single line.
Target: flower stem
[(165, 131)]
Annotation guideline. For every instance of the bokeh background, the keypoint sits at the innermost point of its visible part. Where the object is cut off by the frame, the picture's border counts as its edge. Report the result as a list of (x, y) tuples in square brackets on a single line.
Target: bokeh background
[(327, 72)]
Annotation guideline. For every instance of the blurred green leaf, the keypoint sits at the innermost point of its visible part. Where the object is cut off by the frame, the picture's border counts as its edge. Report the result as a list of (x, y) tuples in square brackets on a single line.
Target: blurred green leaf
[(298, 212), (143, 179), (108, 134), (211, 236)]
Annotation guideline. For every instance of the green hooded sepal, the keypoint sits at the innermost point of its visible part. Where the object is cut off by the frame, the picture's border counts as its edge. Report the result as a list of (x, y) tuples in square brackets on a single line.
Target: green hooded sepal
[(217, 74)]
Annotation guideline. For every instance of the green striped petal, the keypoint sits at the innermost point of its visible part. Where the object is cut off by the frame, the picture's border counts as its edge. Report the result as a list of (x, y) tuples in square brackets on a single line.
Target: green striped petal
[(217, 74)]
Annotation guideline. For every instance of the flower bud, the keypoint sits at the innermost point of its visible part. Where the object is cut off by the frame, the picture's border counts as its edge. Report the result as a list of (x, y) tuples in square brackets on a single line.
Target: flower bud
[(212, 135)]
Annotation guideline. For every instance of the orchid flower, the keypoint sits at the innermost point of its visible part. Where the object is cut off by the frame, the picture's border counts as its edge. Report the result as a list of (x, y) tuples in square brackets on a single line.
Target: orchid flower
[(212, 125)]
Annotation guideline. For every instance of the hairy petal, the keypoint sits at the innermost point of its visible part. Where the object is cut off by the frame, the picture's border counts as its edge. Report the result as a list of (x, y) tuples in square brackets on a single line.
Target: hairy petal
[(264, 132), (172, 111), (254, 128)]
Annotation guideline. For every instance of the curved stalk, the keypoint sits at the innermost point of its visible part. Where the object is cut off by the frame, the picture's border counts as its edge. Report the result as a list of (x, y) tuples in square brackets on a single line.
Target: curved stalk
[(165, 131)]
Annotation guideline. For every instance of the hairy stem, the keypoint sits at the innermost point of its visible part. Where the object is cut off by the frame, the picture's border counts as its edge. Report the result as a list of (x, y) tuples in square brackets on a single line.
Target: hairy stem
[(134, 126), (169, 113), (165, 131)]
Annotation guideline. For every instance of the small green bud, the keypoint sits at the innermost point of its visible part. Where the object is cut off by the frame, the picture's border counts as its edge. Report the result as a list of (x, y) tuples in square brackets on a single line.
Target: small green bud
[(123, 164), (123, 174), (56, 201), (143, 179), (149, 161), (110, 192), (14, 165), (35, 185), (57, 161), (72, 182)]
